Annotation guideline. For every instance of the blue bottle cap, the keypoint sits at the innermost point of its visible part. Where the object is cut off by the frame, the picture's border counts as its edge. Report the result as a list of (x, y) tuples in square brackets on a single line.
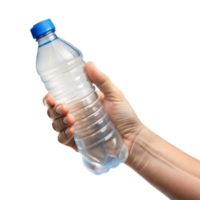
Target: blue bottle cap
[(42, 28)]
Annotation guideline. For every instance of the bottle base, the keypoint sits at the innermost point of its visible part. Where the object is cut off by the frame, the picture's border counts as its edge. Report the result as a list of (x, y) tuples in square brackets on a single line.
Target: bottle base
[(111, 162)]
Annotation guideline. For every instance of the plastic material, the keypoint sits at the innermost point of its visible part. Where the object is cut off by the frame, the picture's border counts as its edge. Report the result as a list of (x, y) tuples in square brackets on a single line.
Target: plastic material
[(62, 70)]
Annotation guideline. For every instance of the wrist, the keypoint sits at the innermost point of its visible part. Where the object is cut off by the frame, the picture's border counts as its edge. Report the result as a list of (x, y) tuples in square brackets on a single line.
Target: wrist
[(138, 156)]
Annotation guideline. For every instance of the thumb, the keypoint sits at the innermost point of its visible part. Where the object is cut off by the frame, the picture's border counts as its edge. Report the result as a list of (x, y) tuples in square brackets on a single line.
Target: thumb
[(101, 80)]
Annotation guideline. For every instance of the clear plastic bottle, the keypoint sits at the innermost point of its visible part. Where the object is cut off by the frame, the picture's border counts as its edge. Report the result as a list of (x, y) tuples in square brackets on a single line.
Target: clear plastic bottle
[(62, 70)]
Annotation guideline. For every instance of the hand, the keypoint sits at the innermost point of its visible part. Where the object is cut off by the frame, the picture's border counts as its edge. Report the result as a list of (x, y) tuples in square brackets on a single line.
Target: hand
[(62, 121), (114, 103)]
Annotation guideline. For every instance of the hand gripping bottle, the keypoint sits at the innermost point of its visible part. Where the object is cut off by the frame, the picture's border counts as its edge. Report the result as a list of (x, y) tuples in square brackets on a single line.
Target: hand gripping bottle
[(62, 70)]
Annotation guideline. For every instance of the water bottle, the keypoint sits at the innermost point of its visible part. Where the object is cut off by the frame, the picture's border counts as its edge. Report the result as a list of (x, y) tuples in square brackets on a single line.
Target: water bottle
[(62, 70)]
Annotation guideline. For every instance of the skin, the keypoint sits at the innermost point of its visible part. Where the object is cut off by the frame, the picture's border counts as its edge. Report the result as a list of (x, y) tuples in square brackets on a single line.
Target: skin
[(173, 172)]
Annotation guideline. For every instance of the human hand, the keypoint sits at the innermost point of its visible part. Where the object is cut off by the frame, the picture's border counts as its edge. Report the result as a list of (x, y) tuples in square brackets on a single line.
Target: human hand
[(62, 121), (114, 103)]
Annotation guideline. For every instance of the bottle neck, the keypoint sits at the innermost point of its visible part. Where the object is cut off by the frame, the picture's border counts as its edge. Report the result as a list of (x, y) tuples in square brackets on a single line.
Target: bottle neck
[(46, 38)]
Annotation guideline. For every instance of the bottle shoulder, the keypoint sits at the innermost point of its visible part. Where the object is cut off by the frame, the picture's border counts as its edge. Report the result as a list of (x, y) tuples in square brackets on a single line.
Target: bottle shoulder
[(54, 54)]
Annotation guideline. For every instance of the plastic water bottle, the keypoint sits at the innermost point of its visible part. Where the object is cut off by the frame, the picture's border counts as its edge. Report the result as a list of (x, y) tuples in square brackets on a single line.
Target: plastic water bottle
[(62, 70)]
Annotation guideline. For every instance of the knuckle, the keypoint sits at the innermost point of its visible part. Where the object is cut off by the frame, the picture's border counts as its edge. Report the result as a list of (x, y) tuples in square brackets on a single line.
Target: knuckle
[(49, 113), (54, 112), (54, 125), (61, 138), (71, 143), (60, 123)]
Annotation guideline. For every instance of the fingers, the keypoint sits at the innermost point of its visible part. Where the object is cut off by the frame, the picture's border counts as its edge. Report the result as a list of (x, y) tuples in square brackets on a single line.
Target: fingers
[(54, 111), (58, 110), (63, 122), (49, 100), (66, 137), (59, 114)]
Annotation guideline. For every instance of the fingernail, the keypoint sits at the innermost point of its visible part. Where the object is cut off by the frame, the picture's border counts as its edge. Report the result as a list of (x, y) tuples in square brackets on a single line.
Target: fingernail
[(59, 110), (66, 132), (45, 103), (65, 120)]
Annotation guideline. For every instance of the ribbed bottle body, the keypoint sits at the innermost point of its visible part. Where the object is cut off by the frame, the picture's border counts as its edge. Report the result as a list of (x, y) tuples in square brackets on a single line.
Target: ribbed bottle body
[(62, 70)]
